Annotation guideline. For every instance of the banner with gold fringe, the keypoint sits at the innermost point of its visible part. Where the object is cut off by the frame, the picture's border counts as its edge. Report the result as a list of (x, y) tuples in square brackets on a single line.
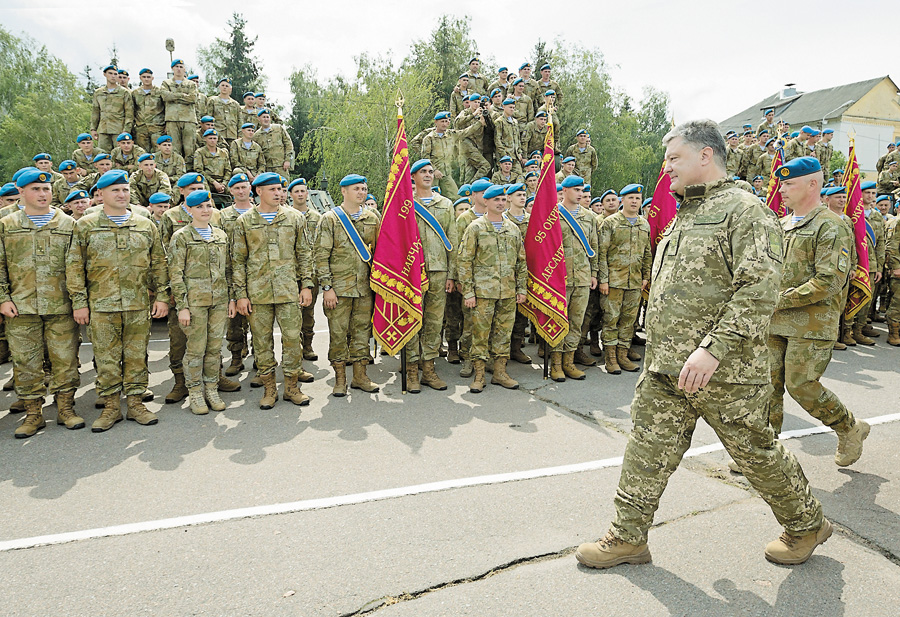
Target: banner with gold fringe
[(860, 286)]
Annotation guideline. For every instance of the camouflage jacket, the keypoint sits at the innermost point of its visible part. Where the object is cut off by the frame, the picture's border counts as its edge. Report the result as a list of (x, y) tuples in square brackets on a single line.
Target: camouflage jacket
[(524, 110), (887, 181), (733, 160), (437, 257), (61, 190), (715, 283), (229, 217), (270, 259), (551, 85), (227, 114), (533, 90), (764, 166), (521, 226), (491, 263), (892, 250), (250, 160), (506, 139), (128, 161), (478, 83), (823, 153), (585, 162), (199, 271), (133, 208), (439, 149), (814, 272), (174, 167), (504, 88), (176, 217), (149, 108), (624, 254), (112, 268), (248, 117), (337, 262), (533, 138), (579, 267), (181, 100), (456, 103), (276, 145), (748, 169), (142, 188), (215, 166), (33, 263), (81, 160), (112, 112), (876, 252), (512, 178)]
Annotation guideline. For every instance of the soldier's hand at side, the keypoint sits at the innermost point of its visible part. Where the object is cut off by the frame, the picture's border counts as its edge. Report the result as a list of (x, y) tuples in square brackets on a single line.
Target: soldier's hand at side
[(305, 297), (470, 302), (437, 174), (94, 135), (450, 286), (160, 310), (697, 371), (876, 278), (604, 288), (232, 309), (593, 282), (896, 273), (82, 316), (184, 317), (243, 307), (8, 309), (458, 287), (520, 298), (645, 284), (286, 165), (329, 299)]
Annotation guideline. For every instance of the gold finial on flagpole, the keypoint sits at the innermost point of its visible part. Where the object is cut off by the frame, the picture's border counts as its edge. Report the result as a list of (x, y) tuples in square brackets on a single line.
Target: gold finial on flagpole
[(399, 103)]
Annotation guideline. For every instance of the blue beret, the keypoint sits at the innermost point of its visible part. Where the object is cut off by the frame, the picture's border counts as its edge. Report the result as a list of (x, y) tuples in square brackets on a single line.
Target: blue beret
[(76, 195), (559, 187), (297, 182), (541, 114), (176, 61), (647, 202), (227, 80), (770, 141), (262, 111), (808, 130), (837, 171), (835, 190), (267, 178), (795, 134), (43, 156), (581, 132), (481, 185), (124, 136), (101, 157), (464, 191), (823, 191), (515, 188), (747, 126), (8, 190), (596, 200), (549, 92), (246, 94), (144, 70), (730, 134), (883, 198), (351, 179), (769, 111), (763, 132), (160, 198), (248, 125), (464, 76), (193, 76), (495, 92), (867, 186), (372, 197), (607, 192), (545, 67), (67, 165), (525, 66), (83, 137), (238, 178), (505, 159), (631, 189), (529, 200), (162, 139), (517, 81), (22, 171), (442, 115), (827, 131), (568, 159), (572, 181), (109, 67), (485, 99), (461, 200), (188, 179), (897, 144), (113, 176), (799, 167), (530, 162), (92, 190), (207, 119), (474, 97), (587, 188), (509, 102), (210, 132), (31, 176), (813, 133), (475, 59), (196, 198), (262, 94), (755, 178), (145, 157), (894, 162), (532, 174), (502, 68), (419, 165), (495, 190), (123, 72), (748, 132)]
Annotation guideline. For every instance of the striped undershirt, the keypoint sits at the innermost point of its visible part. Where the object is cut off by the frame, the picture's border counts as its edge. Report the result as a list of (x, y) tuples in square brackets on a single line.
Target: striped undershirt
[(40, 219), (498, 225), (240, 211), (119, 219), (205, 232), (269, 216), (358, 214)]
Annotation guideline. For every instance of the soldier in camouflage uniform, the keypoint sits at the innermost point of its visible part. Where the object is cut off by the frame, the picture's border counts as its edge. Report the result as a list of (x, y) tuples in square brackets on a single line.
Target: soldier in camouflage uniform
[(493, 275), (438, 147), (545, 83), (502, 83), (44, 162), (344, 276), (461, 92), (249, 110), (149, 111), (148, 180), (603, 207), (125, 154), (35, 306), (472, 123), (181, 97), (524, 106), (246, 155), (226, 111), (733, 154), (84, 154), (535, 134), (507, 137), (477, 82), (516, 214), (892, 267), (768, 124), (238, 326), (824, 150), (707, 321), (276, 144), (213, 162), (889, 179), (505, 173), (168, 161), (531, 88), (65, 185), (586, 161), (114, 262), (112, 111), (102, 163), (299, 194), (879, 166), (764, 162), (271, 259), (460, 320), (863, 333)]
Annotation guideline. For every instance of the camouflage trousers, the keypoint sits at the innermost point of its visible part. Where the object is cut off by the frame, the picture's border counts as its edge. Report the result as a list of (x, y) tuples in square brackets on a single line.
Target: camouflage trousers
[(238, 328), (183, 136), (797, 364), (177, 342), (453, 317), (576, 303), (620, 310), (664, 419), (145, 136), (29, 336), (428, 338), (262, 327), (120, 350), (893, 309), (106, 141), (862, 317), (519, 326), (593, 315), (476, 165), (350, 328), (309, 317), (448, 187), (204, 344), (492, 321)]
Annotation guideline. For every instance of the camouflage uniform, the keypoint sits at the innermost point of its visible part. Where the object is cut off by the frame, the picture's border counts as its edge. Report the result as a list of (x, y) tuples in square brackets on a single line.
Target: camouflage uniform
[(181, 115), (733, 160), (134, 208), (456, 315), (504, 88), (277, 148), (81, 160), (456, 103), (238, 326), (200, 278), (470, 146), (524, 109), (213, 166), (624, 263), (149, 116), (248, 160), (227, 114), (507, 143), (309, 312), (492, 270), (748, 169), (824, 153), (533, 138), (174, 167), (111, 269), (712, 288), (249, 116), (521, 322), (886, 180), (112, 113), (128, 161), (579, 270), (876, 258), (142, 188), (500, 178), (533, 91), (478, 84), (439, 149), (60, 190), (33, 277), (764, 167), (586, 162), (339, 265)]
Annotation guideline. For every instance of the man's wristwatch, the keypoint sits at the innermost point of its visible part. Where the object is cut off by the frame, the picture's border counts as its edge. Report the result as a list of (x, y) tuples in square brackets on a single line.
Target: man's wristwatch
[(326, 288)]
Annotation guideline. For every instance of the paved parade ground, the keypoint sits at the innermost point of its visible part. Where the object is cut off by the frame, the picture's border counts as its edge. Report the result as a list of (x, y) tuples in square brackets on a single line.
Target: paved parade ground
[(441, 503)]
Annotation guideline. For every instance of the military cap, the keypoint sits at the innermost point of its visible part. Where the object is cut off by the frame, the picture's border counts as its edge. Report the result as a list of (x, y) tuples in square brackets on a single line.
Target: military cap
[(67, 165), (442, 115), (146, 156), (835, 190), (763, 132), (883, 198), (530, 200), (525, 65), (630, 189), (113, 176), (808, 130), (176, 61), (123, 72), (796, 168), (193, 76), (830, 183), (581, 132), (502, 68), (647, 202), (372, 197), (837, 171), (284, 181), (31, 176), (536, 154), (474, 59), (730, 134), (823, 191), (266, 179), (210, 132), (514, 188), (43, 156), (771, 139), (867, 186), (434, 189), (83, 137), (464, 191), (748, 132), (545, 67), (419, 165), (260, 94), (207, 119), (101, 157), (191, 177), (827, 131), (587, 188), (474, 97), (485, 99), (897, 144), (541, 114), (480, 185), (813, 132), (795, 134), (461, 200), (92, 190), (144, 70), (109, 67), (495, 190), (22, 171), (608, 192), (248, 125), (8, 190), (768, 111), (559, 187), (74, 195), (246, 94), (505, 159), (351, 179), (894, 162), (495, 92), (568, 159), (571, 182), (262, 111), (747, 126), (532, 174), (124, 137), (297, 182), (225, 79), (755, 178), (196, 198), (532, 162), (596, 200), (162, 139), (550, 92), (160, 198), (518, 81), (464, 76), (237, 179)]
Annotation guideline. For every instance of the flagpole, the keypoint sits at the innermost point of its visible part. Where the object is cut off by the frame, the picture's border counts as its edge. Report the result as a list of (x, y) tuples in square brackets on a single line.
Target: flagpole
[(546, 353), (399, 104)]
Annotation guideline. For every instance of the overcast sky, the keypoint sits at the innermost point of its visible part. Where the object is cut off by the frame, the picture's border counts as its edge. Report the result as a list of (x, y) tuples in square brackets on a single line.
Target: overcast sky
[(714, 58)]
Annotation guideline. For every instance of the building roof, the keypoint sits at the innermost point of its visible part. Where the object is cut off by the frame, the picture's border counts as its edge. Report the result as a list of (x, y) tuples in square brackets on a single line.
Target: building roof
[(804, 107)]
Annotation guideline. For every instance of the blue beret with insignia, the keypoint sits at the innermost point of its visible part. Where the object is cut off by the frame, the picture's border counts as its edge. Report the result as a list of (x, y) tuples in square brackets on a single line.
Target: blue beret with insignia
[(8, 190), (769, 111), (297, 182), (528, 201), (647, 202), (883, 198), (481, 185), (495, 190), (525, 65), (485, 99), (545, 67), (515, 188), (101, 157), (112, 177), (266, 179), (571, 182), (193, 76), (581, 132), (799, 167), (894, 162), (607, 192), (260, 94), (837, 171), (474, 97), (559, 187), (763, 132), (531, 162), (568, 159), (262, 111), (67, 165), (196, 198), (587, 188), (770, 141), (160, 198), (43, 156), (124, 137), (631, 189), (596, 200), (502, 68), (162, 139), (188, 179), (33, 176), (146, 157), (22, 171), (246, 94), (464, 76), (419, 165), (210, 132), (867, 186), (509, 102), (517, 81), (123, 72), (442, 115), (372, 197), (110, 67), (835, 190), (827, 131), (461, 200), (144, 70), (532, 174), (755, 178), (176, 61), (495, 92), (549, 92), (505, 159), (83, 137), (464, 191), (227, 80), (808, 130), (541, 114), (237, 179), (76, 195), (823, 191), (351, 179), (207, 119), (795, 134)]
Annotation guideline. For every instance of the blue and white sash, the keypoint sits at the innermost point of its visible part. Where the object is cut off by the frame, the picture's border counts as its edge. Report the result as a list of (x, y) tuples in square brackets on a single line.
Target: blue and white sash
[(579, 232), (355, 239), (432, 222)]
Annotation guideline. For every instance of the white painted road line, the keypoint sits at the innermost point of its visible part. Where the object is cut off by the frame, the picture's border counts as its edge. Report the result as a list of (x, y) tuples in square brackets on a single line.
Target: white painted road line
[(358, 498)]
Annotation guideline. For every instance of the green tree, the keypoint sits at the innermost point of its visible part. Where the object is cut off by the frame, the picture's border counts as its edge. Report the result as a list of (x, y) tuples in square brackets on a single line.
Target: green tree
[(444, 54), (232, 57), (838, 161), (89, 84), (306, 98)]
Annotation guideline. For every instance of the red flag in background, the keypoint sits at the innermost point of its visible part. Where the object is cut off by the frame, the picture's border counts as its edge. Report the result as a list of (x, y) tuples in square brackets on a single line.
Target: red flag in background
[(662, 209), (773, 196), (860, 285)]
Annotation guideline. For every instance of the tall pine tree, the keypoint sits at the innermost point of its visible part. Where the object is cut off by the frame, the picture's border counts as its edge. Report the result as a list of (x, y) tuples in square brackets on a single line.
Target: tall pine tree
[(232, 57)]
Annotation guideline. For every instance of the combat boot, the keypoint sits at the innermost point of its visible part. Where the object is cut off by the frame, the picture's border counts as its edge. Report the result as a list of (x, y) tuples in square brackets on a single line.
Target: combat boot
[(10, 385), (869, 331), (839, 346), (111, 414), (556, 370), (453, 352), (308, 353), (340, 379), (270, 394), (516, 353), (412, 378), (227, 385), (847, 336), (213, 400), (582, 358), (34, 420), (477, 384), (633, 354), (859, 337), (501, 377), (292, 391), (595, 344), (256, 381), (137, 412), (361, 381), (610, 551), (894, 333), (179, 390), (624, 362), (612, 365), (791, 550), (65, 410), (430, 377), (569, 368), (850, 442), (467, 368), (148, 395), (305, 376), (237, 364), (198, 401), (18, 406), (4, 351)]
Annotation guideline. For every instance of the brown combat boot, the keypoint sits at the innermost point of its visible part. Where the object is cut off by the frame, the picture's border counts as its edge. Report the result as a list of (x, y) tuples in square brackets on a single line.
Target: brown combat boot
[(894, 333), (839, 346), (430, 377), (256, 381), (633, 354), (65, 411), (361, 381), (477, 384), (270, 394), (556, 369), (791, 550), (4, 351), (501, 377), (612, 365), (137, 412), (308, 353), (850, 442), (237, 363), (847, 336), (18, 406), (516, 353), (595, 344), (869, 331), (292, 391), (569, 368), (859, 337), (453, 352), (179, 390), (34, 419), (610, 551), (340, 379), (10, 385), (198, 401), (213, 400), (227, 385), (624, 362), (305, 376), (111, 414), (582, 358), (412, 378), (467, 369)]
